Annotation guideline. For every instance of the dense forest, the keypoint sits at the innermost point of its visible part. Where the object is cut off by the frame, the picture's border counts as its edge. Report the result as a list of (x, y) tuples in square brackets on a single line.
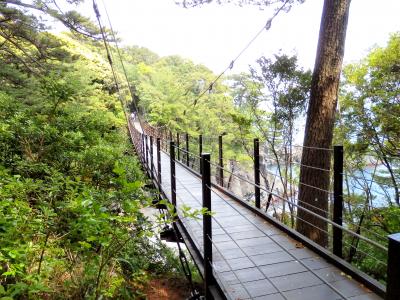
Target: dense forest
[(71, 187), (72, 190), (269, 102)]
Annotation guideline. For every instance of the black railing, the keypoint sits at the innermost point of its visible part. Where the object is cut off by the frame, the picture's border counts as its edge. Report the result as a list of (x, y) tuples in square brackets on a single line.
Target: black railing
[(338, 200), (393, 270), (256, 155), (159, 163), (221, 161), (173, 173), (201, 163), (207, 223)]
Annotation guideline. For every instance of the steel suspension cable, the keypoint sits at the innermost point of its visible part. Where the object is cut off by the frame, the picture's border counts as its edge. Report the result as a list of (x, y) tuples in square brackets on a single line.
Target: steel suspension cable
[(279, 245), (182, 256), (122, 64), (106, 46), (267, 26)]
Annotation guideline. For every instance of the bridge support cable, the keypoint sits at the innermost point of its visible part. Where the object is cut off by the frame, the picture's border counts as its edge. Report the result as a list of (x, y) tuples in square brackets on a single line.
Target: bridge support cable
[(266, 26), (207, 232), (182, 257), (110, 61), (335, 222), (309, 269), (275, 194), (141, 143), (123, 66), (169, 233), (270, 191)]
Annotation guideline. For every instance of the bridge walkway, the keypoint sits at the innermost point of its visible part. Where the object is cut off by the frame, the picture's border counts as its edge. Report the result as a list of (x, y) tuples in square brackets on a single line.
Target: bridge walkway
[(252, 259), (253, 256)]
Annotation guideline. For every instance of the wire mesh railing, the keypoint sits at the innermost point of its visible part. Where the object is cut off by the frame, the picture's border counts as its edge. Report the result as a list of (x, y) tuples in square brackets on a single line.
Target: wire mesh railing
[(279, 186)]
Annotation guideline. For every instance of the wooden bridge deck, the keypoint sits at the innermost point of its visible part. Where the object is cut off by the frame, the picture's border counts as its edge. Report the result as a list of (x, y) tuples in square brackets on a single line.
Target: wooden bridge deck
[(252, 259)]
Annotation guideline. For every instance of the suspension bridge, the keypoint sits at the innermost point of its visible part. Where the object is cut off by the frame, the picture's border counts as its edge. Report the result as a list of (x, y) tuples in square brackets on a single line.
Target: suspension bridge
[(240, 250)]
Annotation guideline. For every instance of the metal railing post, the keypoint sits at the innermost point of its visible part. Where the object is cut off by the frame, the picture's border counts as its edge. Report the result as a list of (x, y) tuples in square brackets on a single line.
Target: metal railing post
[(221, 161), (178, 152), (159, 163), (142, 146), (173, 173), (146, 152), (207, 224), (200, 149), (187, 149), (257, 172), (337, 200), (151, 158), (393, 268)]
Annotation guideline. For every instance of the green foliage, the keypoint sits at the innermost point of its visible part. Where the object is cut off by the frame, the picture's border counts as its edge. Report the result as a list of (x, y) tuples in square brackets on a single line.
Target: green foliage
[(136, 55), (259, 3), (370, 108), (71, 191), (167, 90), (281, 86), (67, 185), (368, 127)]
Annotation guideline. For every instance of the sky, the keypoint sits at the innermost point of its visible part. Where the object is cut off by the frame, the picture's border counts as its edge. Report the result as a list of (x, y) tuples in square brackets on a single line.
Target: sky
[(214, 34)]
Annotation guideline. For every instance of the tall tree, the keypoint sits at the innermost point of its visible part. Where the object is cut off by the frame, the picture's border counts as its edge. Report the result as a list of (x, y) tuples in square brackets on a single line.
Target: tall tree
[(370, 109), (321, 111), (70, 19), (25, 41), (275, 96), (320, 120)]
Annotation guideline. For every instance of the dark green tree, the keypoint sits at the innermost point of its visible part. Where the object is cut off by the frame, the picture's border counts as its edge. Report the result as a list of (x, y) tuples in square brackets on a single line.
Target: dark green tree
[(370, 108), (273, 97), (321, 110)]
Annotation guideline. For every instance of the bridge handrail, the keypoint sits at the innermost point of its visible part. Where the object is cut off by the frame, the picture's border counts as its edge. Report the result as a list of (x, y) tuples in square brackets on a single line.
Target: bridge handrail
[(341, 227)]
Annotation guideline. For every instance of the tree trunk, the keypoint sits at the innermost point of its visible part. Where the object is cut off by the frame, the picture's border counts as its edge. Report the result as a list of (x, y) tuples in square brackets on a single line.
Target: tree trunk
[(320, 120)]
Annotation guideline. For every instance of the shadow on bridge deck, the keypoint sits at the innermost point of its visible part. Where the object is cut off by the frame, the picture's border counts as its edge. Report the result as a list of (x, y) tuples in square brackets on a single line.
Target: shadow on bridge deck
[(252, 258)]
